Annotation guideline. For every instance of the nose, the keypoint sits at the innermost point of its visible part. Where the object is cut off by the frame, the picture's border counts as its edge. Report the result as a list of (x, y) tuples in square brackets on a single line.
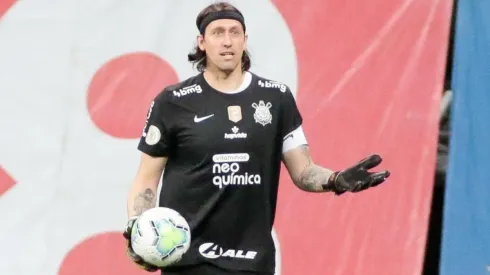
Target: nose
[(227, 40)]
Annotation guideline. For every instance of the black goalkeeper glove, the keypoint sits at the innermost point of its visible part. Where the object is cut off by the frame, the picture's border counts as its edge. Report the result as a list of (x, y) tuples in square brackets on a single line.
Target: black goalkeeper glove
[(130, 252), (357, 178)]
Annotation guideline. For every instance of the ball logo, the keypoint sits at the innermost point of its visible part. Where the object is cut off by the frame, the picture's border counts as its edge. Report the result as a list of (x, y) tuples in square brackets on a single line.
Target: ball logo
[(214, 251)]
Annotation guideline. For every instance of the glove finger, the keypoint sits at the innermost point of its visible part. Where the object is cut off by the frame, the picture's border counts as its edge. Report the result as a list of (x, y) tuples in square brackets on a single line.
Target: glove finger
[(369, 162), (147, 267), (129, 228), (135, 257), (361, 185), (379, 177), (375, 179), (139, 260)]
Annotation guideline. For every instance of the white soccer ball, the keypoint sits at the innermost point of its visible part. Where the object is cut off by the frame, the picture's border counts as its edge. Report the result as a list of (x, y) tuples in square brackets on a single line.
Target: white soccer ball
[(161, 236)]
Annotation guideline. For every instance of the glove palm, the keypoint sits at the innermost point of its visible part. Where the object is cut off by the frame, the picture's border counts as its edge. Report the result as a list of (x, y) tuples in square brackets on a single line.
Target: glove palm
[(130, 252), (357, 178)]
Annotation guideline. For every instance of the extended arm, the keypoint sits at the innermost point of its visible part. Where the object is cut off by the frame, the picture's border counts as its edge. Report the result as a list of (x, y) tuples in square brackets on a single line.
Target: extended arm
[(142, 195), (310, 177), (306, 175)]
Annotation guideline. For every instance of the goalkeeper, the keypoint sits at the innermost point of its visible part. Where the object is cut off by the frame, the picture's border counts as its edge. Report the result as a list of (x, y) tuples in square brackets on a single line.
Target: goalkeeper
[(221, 136)]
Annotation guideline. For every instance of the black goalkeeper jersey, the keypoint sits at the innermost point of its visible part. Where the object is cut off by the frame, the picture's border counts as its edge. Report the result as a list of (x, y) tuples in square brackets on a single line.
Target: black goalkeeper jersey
[(224, 158)]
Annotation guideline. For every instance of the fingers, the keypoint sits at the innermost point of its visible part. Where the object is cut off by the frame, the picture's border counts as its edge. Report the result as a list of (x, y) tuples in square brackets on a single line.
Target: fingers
[(129, 228), (134, 257), (369, 162), (374, 179), (148, 268), (140, 262), (379, 177), (361, 186)]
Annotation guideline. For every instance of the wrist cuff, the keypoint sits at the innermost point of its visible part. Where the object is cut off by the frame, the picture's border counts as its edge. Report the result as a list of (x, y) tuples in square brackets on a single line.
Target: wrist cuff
[(330, 185)]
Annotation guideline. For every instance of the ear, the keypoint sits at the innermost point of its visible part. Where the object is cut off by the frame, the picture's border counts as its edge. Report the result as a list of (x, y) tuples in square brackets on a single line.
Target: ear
[(200, 42), (245, 44)]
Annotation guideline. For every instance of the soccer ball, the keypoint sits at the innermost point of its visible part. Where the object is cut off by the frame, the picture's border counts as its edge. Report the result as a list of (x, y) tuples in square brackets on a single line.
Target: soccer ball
[(161, 236)]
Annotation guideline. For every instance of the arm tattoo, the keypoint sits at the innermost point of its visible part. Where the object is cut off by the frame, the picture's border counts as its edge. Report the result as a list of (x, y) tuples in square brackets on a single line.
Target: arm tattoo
[(144, 201), (312, 177)]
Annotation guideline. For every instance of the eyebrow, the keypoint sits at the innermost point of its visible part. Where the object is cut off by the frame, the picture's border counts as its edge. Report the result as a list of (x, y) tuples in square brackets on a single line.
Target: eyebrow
[(221, 28)]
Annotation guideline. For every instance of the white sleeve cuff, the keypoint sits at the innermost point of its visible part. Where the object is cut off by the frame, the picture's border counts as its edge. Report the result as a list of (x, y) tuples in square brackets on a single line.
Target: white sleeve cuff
[(294, 139)]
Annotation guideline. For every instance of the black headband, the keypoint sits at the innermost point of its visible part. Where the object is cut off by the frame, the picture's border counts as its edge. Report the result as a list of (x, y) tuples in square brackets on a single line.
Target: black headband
[(215, 15)]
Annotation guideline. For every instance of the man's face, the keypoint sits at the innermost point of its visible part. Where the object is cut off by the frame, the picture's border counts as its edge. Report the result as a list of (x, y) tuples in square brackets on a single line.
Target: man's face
[(224, 42)]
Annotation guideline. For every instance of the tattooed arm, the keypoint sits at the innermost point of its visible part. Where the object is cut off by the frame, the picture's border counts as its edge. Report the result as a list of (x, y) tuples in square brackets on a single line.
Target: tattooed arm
[(305, 174), (313, 178), (142, 195)]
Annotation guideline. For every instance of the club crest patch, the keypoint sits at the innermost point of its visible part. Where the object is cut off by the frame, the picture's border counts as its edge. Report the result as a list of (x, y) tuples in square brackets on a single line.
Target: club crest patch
[(262, 113)]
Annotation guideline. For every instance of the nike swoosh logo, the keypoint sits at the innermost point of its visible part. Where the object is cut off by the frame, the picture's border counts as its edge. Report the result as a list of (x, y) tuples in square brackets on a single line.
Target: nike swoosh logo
[(199, 119)]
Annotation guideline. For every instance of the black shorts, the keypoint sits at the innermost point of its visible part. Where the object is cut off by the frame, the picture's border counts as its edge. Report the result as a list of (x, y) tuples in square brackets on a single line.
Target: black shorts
[(207, 269)]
